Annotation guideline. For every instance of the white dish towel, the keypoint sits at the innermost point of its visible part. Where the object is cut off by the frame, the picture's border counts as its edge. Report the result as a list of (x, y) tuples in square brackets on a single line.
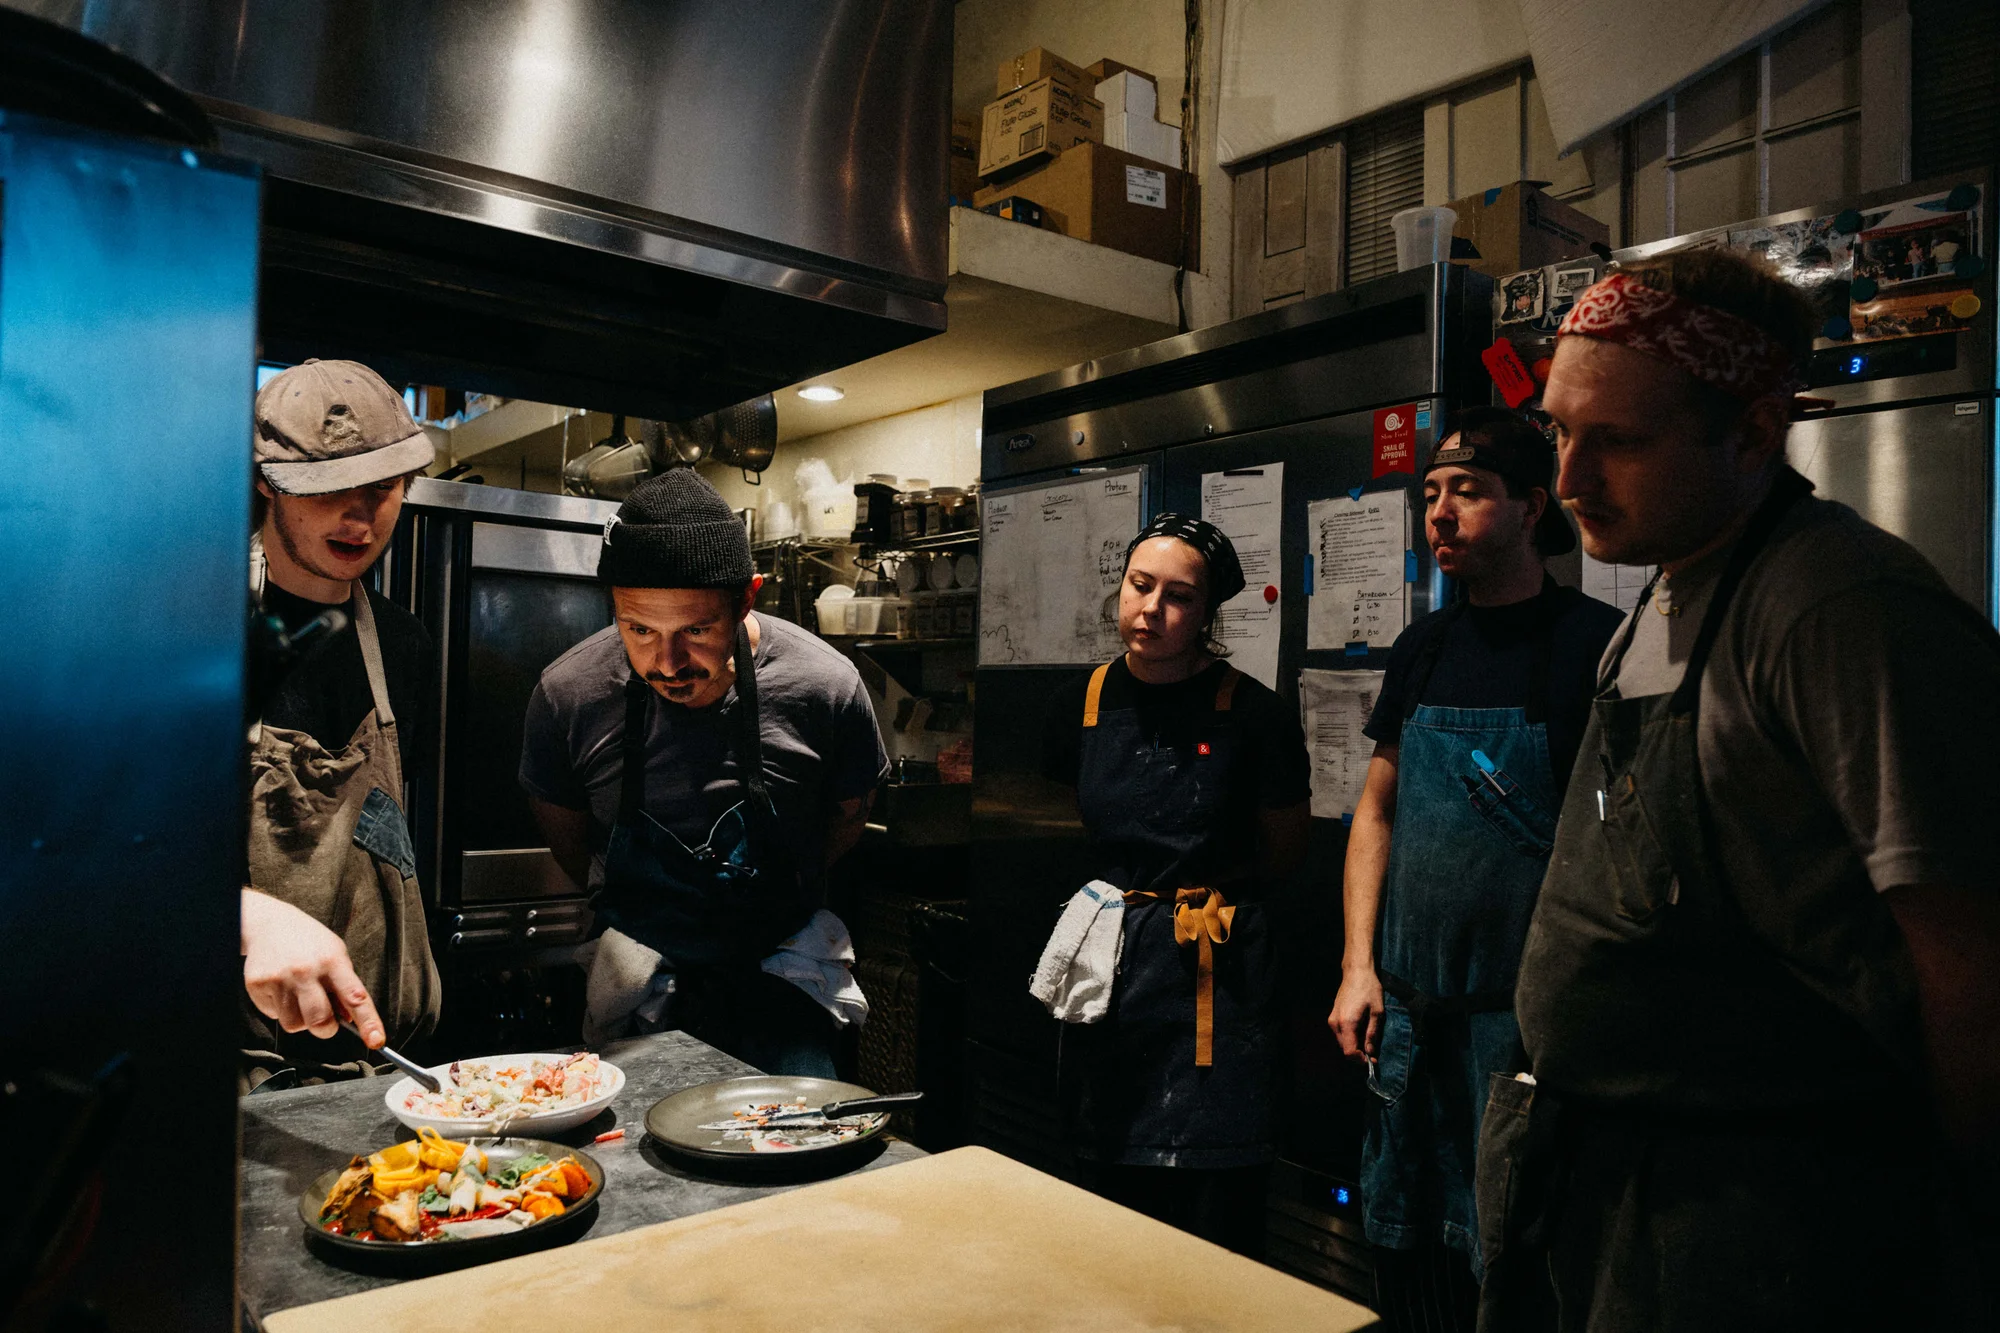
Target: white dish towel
[(1079, 964)]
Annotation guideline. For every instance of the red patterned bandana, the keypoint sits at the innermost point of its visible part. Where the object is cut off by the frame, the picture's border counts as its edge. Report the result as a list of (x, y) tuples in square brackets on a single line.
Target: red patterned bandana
[(1712, 345)]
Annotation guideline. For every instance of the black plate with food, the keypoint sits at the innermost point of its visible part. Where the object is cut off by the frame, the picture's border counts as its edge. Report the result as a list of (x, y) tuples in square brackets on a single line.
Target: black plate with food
[(433, 1202)]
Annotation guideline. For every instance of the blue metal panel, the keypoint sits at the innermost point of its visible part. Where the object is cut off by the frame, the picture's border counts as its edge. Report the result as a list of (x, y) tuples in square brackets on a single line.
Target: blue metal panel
[(127, 340)]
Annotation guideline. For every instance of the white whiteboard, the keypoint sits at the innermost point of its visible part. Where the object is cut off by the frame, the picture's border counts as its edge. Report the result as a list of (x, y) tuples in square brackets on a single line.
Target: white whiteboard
[(1050, 561)]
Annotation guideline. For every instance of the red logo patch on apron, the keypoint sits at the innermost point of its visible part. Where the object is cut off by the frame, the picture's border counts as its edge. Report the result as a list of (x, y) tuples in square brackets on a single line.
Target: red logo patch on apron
[(1396, 439), (1201, 747)]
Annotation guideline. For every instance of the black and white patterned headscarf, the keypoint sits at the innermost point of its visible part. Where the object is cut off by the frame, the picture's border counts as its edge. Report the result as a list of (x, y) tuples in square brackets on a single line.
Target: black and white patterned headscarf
[(1225, 571)]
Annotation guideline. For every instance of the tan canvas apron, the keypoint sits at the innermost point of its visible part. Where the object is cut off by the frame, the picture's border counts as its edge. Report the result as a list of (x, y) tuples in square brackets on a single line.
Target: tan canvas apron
[(327, 835)]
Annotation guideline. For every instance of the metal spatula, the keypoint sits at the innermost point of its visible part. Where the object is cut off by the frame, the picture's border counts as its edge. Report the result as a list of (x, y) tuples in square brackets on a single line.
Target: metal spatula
[(835, 1110)]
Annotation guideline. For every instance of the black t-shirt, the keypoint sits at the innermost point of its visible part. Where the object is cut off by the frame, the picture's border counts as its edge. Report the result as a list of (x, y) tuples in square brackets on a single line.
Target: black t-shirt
[(326, 693), (1276, 746), (1487, 661)]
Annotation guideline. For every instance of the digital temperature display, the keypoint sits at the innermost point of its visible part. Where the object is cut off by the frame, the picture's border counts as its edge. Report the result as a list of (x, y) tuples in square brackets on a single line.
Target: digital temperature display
[(1884, 360)]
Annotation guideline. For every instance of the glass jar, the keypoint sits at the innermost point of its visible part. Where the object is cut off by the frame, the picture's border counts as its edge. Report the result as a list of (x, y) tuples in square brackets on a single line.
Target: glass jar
[(941, 511)]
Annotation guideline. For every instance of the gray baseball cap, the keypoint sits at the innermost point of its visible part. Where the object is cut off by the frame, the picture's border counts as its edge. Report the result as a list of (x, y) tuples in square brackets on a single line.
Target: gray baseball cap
[(329, 426)]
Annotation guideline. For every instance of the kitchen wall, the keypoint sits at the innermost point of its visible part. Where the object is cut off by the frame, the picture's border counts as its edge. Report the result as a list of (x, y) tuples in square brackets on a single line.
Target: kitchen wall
[(938, 443)]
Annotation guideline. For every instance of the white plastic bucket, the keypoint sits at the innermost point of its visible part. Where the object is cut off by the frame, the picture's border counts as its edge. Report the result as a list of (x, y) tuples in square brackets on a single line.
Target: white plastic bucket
[(1423, 236)]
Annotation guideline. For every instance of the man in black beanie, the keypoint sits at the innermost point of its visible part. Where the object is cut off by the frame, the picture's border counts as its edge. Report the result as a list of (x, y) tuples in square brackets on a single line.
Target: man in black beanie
[(699, 767)]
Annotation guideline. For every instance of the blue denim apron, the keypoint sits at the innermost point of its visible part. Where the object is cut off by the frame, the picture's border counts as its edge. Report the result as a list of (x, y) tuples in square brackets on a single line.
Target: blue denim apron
[(716, 911), (1156, 811), (1471, 842)]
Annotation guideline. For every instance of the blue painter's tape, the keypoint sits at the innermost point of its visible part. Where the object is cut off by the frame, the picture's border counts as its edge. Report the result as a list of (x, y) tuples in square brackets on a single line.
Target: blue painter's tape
[(1309, 574), (1354, 493), (1409, 566), (1357, 650), (1424, 419)]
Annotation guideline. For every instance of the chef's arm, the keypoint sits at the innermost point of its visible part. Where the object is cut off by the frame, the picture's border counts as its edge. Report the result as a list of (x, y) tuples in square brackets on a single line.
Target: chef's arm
[(1954, 938), (843, 828), (1281, 841), (1357, 1008), (298, 972), (568, 832)]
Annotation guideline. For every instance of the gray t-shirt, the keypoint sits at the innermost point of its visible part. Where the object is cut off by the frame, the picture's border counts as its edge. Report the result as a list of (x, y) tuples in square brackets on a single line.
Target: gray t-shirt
[(1846, 731), (821, 745)]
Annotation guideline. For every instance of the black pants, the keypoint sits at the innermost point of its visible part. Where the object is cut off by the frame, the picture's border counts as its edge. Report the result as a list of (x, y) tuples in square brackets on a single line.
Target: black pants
[(1224, 1205), (1426, 1290)]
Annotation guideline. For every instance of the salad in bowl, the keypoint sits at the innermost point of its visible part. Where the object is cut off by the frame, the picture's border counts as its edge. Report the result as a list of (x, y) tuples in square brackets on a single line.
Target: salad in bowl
[(527, 1094)]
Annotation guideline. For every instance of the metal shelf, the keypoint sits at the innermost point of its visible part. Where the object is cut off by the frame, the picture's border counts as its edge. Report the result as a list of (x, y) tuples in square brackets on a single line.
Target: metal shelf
[(943, 541)]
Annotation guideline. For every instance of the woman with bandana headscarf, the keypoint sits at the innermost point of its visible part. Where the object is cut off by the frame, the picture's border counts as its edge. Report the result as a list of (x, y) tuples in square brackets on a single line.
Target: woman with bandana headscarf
[(1193, 783)]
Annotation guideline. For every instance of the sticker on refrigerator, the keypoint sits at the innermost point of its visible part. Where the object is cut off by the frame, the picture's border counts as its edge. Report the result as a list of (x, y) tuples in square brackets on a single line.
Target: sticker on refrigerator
[(1143, 185), (1396, 439)]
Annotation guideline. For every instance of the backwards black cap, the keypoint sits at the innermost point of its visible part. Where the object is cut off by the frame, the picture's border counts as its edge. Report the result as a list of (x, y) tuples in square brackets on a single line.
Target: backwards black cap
[(1513, 445)]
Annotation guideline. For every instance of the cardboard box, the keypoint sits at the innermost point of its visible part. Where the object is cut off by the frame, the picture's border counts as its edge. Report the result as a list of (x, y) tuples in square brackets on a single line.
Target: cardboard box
[(964, 161), (1518, 227), (1106, 197), (1104, 69), (1144, 137), (1035, 65), (1129, 93), (1034, 123)]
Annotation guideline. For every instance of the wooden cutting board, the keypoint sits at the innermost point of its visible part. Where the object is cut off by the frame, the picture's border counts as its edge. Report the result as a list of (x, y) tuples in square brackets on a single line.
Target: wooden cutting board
[(964, 1240)]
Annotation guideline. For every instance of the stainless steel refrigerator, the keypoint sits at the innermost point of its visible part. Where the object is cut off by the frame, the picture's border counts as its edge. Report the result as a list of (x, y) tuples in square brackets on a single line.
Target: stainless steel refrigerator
[(1903, 280), (1311, 386)]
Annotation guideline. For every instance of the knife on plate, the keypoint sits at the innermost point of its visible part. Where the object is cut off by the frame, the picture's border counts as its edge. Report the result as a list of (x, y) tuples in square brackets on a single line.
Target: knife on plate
[(837, 1110)]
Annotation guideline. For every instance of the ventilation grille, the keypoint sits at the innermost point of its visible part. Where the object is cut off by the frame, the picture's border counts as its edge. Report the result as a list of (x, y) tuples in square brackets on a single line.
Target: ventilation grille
[(1954, 93), (1385, 175)]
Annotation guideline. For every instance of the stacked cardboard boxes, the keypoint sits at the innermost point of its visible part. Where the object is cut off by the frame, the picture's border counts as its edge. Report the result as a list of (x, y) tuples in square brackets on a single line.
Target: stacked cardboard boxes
[(1102, 168), (1044, 106), (1517, 227)]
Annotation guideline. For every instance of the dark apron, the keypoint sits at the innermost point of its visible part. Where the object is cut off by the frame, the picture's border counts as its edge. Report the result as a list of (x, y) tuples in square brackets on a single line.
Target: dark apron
[(1149, 1100), (1675, 1165), (327, 835), (1469, 851), (714, 912)]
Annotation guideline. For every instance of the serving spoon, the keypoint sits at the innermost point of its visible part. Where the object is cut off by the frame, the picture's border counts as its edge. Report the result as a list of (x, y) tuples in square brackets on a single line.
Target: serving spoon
[(424, 1077)]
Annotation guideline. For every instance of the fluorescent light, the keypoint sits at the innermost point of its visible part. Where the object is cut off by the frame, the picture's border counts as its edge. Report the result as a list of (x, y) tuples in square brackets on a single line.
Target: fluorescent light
[(821, 393)]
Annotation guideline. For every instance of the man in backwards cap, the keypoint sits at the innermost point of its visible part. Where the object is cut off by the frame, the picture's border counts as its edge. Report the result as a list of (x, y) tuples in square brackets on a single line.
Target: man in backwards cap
[(699, 767), (1761, 990), (1475, 731), (332, 917)]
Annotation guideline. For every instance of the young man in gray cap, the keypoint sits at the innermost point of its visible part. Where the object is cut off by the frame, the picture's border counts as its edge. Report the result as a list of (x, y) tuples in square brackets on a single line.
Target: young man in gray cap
[(1476, 729), (332, 916), (699, 767)]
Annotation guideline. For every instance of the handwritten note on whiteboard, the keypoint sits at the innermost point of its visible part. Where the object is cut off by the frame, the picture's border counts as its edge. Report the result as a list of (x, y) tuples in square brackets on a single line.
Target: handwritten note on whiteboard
[(1051, 558), (1358, 550), (1335, 707), (1248, 505)]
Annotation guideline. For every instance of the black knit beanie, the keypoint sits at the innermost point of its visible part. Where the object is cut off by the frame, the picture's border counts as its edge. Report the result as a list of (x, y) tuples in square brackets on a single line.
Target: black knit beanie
[(675, 531)]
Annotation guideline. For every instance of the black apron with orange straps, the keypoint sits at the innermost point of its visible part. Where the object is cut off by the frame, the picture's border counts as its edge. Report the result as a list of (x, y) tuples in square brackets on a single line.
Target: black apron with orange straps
[(1182, 1070)]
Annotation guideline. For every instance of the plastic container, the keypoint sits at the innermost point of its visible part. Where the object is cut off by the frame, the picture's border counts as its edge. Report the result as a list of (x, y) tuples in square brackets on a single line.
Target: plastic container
[(1423, 236), (832, 607), (829, 513), (874, 507), (942, 510), (964, 614)]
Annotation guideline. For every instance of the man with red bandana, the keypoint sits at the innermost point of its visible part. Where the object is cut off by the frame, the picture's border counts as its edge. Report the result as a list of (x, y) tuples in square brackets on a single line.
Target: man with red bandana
[(1761, 991)]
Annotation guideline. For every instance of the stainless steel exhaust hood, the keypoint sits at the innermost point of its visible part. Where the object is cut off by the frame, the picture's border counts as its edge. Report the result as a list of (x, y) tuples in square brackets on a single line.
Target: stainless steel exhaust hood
[(651, 206)]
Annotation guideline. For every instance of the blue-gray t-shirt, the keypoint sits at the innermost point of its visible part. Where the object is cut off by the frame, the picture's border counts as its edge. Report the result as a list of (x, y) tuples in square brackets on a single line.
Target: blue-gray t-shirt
[(821, 745)]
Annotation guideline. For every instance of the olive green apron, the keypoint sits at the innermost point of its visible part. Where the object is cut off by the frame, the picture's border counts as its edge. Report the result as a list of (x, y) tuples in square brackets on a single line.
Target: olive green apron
[(327, 835)]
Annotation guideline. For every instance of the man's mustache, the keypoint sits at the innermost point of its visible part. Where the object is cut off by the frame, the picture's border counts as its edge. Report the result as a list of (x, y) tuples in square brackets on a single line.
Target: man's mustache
[(681, 677)]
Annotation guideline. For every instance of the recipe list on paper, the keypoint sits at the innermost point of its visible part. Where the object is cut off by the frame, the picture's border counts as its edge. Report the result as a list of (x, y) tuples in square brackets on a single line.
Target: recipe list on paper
[(1359, 552), (1334, 706), (1248, 505)]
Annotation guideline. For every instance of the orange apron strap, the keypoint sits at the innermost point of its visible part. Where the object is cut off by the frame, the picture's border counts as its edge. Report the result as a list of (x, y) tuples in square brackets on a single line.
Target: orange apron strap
[(1093, 694), (1203, 918), (1226, 691)]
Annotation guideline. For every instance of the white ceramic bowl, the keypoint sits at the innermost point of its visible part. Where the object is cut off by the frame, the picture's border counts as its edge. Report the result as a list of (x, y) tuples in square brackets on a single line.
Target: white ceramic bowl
[(541, 1122)]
